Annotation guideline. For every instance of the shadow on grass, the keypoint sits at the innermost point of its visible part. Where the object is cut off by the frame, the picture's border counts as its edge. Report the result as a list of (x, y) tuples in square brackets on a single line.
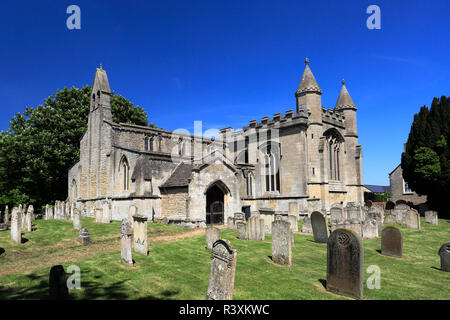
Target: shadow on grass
[(379, 251), (2, 251), (24, 240), (323, 282)]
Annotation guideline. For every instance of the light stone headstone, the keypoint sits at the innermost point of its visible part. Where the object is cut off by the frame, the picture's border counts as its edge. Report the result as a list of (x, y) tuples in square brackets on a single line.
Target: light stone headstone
[(76, 219), (256, 228), (29, 218), (212, 235), (66, 211), (239, 216), (293, 209), (126, 231), (140, 236), (354, 225), (412, 219), (6, 218), (293, 220), (377, 213), (132, 211), (222, 271), (23, 215), (444, 253), (241, 228), (16, 234), (306, 225), (98, 215), (354, 212), (370, 228), (431, 217), (319, 226), (389, 219), (46, 212), (230, 223), (106, 213), (391, 242), (400, 212), (345, 263), (83, 237), (281, 242)]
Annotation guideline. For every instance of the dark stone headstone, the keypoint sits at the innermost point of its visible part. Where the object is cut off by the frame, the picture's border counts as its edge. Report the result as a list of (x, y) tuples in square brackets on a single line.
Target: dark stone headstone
[(444, 252), (345, 263), (391, 242), (319, 226), (58, 283), (83, 237)]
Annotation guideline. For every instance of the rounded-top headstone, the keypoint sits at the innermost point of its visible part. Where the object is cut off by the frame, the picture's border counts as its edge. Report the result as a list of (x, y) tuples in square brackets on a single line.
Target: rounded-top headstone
[(444, 252), (319, 226), (391, 242)]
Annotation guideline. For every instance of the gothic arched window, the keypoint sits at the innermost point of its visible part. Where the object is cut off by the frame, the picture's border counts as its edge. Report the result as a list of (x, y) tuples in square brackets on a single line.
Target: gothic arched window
[(272, 169), (125, 171), (249, 182), (334, 143)]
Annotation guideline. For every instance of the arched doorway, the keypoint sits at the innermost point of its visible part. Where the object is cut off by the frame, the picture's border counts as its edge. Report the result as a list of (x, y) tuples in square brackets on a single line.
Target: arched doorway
[(214, 205)]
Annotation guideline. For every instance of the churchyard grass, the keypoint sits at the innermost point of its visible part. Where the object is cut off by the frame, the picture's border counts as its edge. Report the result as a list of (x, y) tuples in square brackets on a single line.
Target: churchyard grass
[(179, 269)]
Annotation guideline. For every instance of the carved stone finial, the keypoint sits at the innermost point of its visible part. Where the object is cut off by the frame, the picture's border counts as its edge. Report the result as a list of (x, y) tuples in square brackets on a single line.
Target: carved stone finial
[(343, 81), (306, 61)]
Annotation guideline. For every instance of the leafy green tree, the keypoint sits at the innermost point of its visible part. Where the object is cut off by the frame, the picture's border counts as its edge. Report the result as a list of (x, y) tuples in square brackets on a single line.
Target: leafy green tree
[(43, 143), (426, 160)]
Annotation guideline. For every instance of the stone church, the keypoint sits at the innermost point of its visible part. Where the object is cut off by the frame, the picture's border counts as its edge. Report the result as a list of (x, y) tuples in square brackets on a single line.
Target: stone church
[(303, 161)]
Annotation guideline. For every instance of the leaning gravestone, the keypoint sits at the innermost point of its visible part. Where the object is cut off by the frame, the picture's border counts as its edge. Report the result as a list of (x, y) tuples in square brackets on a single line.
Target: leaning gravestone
[(412, 219), (241, 228), (444, 252), (212, 235), (140, 234), (16, 234), (29, 218), (431, 217), (126, 232), (306, 225), (319, 226), (76, 219), (370, 228), (83, 237), (58, 283), (345, 263), (222, 271), (256, 228), (391, 242), (281, 242)]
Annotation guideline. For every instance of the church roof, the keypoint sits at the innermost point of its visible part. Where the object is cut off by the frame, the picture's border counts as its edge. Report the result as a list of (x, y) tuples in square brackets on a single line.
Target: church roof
[(308, 82), (180, 177), (142, 169), (344, 100)]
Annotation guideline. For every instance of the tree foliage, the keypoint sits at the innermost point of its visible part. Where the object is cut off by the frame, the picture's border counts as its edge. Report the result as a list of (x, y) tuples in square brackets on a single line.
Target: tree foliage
[(42, 143), (426, 160)]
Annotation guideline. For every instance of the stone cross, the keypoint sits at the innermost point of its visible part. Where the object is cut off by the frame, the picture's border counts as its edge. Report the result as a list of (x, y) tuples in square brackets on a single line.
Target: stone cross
[(319, 226), (16, 234), (256, 228), (412, 219), (345, 263), (140, 236), (58, 283), (212, 235), (370, 228), (83, 237), (306, 226), (241, 228), (76, 219), (391, 242), (431, 217), (444, 252), (29, 218), (126, 233), (282, 242), (222, 271)]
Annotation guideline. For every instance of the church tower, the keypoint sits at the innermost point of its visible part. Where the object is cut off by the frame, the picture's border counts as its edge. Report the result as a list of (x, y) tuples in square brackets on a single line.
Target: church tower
[(309, 95)]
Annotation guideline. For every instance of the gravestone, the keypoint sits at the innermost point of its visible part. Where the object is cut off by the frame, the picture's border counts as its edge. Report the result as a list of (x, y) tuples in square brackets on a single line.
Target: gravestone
[(431, 217), (391, 242), (126, 232), (132, 211), (336, 214), (281, 242), (370, 228), (306, 225), (345, 263), (293, 220), (354, 212), (400, 212), (212, 235), (222, 271), (58, 283), (98, 215), (76, 219), (241, 228), (256, 228), (444, 252), (319, 226), (354, 225), (6, 217), (23, 213), (106, 213), (66, 211), (376, 213), (46, 212), (389, 219), (268, 215), (16, 234), (29, 218), (239, 216), (140, 237), (83, 237), (230, 223), (412, 219)]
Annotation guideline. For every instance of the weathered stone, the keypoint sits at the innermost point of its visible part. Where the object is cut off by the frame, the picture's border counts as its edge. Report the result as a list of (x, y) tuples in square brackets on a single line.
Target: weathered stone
[(281, 242), (336, 215), (58, 283), (222, 271), (230, 223), (306, 225), (370, 228), (98, 215), (412, 219), (293, 220), (268, 215), (212, 235), (256, 228), (354, 212), (83, 237), (29, 218), (431, 217), (7, 217), (239, 216), (23, 214), (391, 242), (376, 213), (241, 228), (132, 211), (126, 232), (46, 211), (345, 263), (16, 234), (106, 213), (389, 219), (76, 219), (140, 237), (444, 252), (400, 212), (354, 225), (319, 226), (293, 209)]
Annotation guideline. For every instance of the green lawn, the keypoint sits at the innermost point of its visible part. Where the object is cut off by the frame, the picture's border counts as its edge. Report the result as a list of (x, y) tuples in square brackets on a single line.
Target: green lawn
[(180, 269)]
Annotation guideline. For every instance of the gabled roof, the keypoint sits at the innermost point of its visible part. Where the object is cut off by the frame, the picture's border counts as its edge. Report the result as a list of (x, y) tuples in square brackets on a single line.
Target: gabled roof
[(308, 82), (344, 100), (180, 177), (377, 189)]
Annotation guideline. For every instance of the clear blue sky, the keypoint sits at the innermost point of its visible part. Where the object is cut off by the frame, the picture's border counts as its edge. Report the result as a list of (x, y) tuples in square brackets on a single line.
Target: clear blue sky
[(228, 62)]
